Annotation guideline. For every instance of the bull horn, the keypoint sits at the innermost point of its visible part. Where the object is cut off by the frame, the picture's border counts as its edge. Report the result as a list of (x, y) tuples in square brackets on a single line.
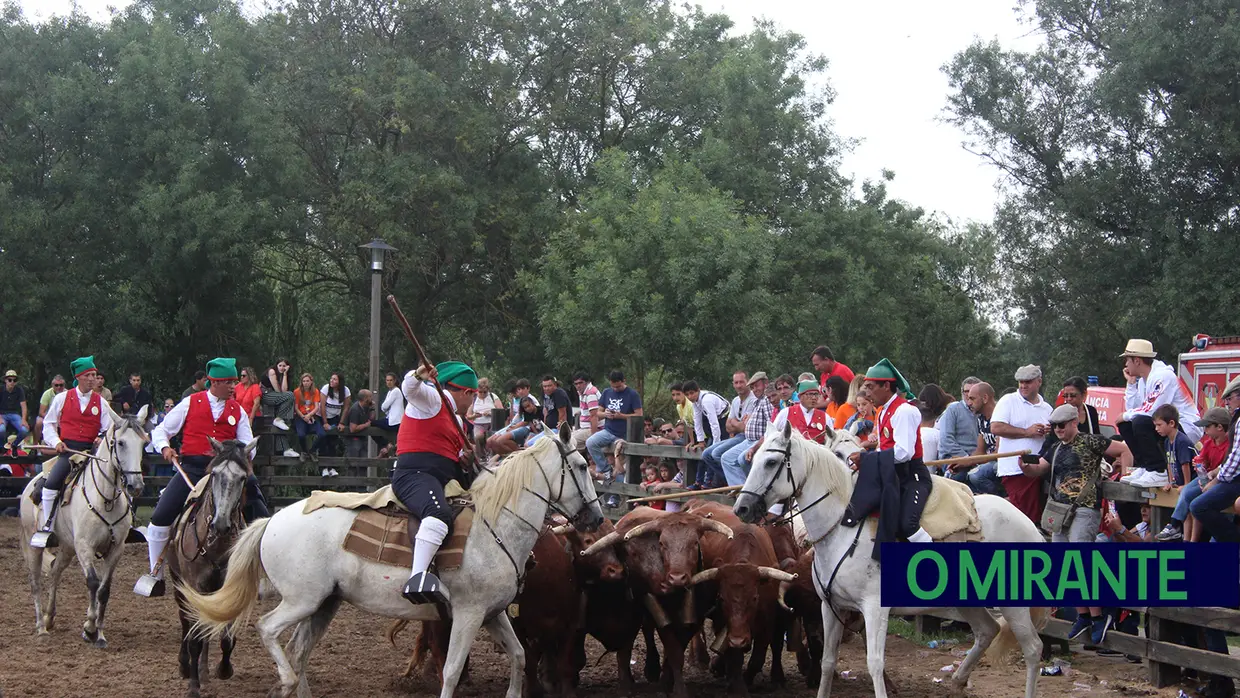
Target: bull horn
[(704, 576), (562, 529), (642, 529), (783, 590), (776, 574), (718, 527), (605, 542)]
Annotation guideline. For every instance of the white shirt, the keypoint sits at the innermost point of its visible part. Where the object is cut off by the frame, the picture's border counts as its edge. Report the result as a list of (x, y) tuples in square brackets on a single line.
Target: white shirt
[(394, 406), (331, 407), (711, 404), (740, 409), (423, 401), (483, 404), (929, 443), (171, 426), (905, 422), (1015, 411), (51, 422), (1161, 387)]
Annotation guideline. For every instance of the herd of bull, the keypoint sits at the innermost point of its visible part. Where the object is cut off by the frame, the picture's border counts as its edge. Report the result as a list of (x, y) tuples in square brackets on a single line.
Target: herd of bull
[(657, 572)]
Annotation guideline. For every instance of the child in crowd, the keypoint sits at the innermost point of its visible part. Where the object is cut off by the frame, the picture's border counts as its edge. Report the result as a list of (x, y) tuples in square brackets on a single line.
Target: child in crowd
[(1214, 446), (650, 477), (1176, 444)]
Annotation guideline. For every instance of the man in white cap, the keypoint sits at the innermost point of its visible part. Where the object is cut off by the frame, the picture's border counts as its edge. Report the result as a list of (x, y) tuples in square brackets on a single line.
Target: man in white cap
[(1021, 421), (1151, 384)]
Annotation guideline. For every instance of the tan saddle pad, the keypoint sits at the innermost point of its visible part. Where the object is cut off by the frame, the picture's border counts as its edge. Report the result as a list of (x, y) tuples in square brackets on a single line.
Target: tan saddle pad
[(384, 536), (379, 499), (77, 466), (950, 515)]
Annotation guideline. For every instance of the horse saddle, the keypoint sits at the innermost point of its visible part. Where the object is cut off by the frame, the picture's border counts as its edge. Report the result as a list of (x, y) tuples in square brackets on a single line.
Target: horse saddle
[(77, 466), (384, 530), (950, 515)]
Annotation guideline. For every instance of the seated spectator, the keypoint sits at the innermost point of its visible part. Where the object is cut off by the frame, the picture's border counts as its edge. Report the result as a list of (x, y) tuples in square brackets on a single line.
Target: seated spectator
[(618, 402), (13, 408), (309, 402), (1151, 384), (957, 424), (1074, 467), (45, 402), (277, 394), (516, 390), (337, 398), (684, 408), (785, 387), (479, 413), (710, 412), (529, 411), (1179, 451), (248, 392), (1213, 450), (862, 423), (360, 418), (837, 407)]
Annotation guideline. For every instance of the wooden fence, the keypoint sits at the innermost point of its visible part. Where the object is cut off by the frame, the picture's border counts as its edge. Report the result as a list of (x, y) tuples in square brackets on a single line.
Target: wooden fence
[(286, 480)]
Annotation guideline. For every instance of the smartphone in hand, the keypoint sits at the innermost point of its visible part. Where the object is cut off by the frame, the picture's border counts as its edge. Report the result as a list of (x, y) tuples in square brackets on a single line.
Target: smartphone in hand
[(1031, 458)]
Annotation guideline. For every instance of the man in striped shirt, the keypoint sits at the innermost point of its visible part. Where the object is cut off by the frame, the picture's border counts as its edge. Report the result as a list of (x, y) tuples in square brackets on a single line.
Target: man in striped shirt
[(1221, 492)]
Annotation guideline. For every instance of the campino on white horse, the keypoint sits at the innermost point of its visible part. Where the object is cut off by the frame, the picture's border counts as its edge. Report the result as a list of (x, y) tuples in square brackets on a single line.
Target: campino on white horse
[(92, 526), (820, 480), (302, 556)]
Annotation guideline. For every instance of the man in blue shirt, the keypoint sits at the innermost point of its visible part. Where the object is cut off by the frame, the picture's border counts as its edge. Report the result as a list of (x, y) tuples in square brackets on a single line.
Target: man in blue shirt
[(616, 405)]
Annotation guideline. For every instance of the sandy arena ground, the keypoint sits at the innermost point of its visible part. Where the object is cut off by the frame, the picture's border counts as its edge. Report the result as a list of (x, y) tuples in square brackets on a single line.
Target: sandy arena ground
[(355, 660)]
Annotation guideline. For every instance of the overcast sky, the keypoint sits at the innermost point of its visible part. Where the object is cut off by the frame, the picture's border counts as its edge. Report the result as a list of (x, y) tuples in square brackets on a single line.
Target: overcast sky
[(885, 59)]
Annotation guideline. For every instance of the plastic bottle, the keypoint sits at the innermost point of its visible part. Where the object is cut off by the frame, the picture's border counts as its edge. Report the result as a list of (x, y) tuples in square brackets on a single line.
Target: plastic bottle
[(936, 644)]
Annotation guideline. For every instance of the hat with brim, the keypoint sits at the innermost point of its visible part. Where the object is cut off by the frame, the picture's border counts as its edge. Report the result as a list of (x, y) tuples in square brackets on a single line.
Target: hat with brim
[(1065, 413), (1140, 348), (759, 376), (885, 371), (1029, 372), (808, 387), (1219, 416), (1232, 386), (80, 367), (454, 374), (221, 370)]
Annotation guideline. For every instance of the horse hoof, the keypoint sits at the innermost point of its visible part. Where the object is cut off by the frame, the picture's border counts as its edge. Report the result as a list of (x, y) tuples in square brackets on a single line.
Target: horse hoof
[(41, 634), (89, 636), (225, 672), (101, 644), (49, 622)]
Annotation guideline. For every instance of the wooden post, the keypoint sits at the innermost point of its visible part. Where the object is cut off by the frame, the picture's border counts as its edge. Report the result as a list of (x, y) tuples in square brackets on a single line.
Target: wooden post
[(635, 433), (1160, 673)]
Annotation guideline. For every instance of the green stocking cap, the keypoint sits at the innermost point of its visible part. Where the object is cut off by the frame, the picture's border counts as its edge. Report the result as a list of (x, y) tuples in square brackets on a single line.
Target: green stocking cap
[(221, 370), (458, 374), (80, 366), (886, 371)]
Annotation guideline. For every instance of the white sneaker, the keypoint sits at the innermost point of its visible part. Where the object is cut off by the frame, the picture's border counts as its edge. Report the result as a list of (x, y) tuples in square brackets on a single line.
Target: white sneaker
[(1136, 473), (290, 453), (1149, 479), (325, 472), (332, 472), (279, 424)]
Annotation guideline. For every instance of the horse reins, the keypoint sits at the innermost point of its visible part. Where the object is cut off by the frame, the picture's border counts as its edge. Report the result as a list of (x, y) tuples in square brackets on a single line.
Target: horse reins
[(116, 486)]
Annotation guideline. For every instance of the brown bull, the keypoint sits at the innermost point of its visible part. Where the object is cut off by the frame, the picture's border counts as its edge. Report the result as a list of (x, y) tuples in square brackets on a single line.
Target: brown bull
[(661, 552), (745, 577), (550, 608)]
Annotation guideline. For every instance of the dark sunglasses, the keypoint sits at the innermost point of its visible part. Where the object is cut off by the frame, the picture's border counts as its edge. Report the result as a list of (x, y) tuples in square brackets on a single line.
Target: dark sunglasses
[(666, 431), (10, 380), (1060, 425)]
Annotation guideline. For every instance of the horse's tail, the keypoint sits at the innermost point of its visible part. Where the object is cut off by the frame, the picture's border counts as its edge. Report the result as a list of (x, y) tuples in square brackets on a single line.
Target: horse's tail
[(395, 629), (229, 608), (1006, 646)]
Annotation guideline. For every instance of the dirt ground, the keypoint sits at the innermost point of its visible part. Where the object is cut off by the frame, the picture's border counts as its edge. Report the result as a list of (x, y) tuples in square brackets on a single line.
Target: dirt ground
[(355, 660)]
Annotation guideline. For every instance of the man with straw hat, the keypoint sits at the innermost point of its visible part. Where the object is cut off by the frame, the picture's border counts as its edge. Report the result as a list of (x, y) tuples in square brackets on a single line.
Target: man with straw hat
[(210, 414), (74, 421), (897, 438), (429, 448), (1151, 384)]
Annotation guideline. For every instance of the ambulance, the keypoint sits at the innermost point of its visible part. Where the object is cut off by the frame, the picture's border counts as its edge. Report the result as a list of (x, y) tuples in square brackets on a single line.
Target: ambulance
[(1204, 370)]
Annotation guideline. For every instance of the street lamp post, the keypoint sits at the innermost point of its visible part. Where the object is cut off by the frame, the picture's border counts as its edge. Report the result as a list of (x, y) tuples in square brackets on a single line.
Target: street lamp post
[(377, 248)]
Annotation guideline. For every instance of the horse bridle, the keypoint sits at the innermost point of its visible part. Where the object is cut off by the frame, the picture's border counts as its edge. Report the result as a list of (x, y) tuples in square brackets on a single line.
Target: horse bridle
[(117, 485)]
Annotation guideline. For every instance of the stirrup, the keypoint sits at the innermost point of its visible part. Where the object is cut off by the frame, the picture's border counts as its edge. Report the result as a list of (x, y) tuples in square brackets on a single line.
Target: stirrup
[(45, 538), (149, 586), (424, 587)]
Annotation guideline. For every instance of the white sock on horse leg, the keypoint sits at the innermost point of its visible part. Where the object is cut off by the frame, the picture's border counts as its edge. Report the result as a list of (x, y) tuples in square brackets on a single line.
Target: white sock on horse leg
[(156, 540), (431, 532), (920, 537), (49, 500)]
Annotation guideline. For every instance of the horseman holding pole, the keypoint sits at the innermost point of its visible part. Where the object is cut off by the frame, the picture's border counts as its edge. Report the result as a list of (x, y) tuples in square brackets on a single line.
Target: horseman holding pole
[(211, 413), (73, 422), (429, 447), (896, 437)]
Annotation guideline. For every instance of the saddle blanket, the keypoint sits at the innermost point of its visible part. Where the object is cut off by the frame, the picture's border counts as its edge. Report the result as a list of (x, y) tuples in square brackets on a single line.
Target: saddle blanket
[(385, 535), (77, 465), (380, 498), (950, 515)]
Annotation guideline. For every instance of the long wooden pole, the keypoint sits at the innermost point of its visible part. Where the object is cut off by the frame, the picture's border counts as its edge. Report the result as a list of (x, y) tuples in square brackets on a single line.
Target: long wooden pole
[(417, 347), (686, 493), (975, 460)]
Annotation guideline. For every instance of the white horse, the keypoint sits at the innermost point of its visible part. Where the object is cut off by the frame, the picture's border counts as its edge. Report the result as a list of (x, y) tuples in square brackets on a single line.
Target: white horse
[(92, 527), (788, 465), (302, 557)]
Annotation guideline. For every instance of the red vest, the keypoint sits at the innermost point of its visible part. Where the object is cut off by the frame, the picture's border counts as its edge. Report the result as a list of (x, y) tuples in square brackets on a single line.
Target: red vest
[(438, 435), (886, 436), (78, 425), (815, 430), (199, 424)]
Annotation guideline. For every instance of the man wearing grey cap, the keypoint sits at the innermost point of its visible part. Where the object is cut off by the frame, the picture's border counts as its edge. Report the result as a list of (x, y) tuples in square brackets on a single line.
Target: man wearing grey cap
[(1073, 461), (1020, 421)]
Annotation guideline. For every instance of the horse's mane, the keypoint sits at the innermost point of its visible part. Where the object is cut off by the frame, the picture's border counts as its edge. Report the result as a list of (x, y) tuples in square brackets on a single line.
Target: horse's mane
[(233, 451), (821, 459), (494, 489)]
